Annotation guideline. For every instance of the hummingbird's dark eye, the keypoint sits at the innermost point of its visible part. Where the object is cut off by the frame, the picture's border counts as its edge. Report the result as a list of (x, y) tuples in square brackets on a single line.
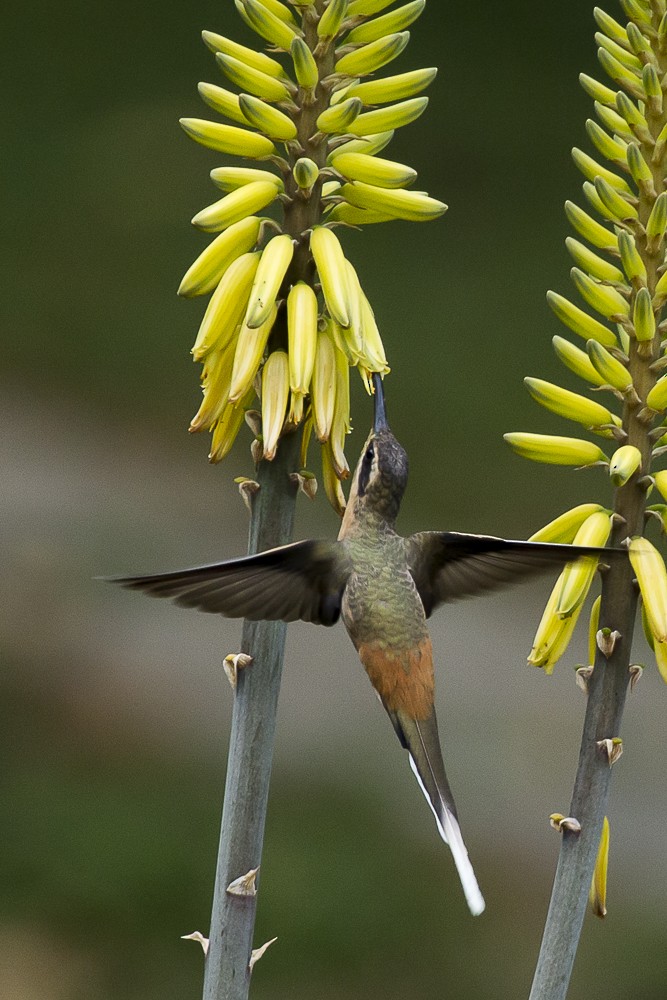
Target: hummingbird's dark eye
[(365, 471)]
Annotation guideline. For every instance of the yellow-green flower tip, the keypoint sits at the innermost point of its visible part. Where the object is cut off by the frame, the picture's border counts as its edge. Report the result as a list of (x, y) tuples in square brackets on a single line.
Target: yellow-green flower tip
[(275, 394), (624, 463), (555, 450)]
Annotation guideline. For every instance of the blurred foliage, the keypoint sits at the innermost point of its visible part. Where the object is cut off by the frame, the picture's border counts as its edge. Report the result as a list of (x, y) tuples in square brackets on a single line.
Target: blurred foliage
[(108, 839)]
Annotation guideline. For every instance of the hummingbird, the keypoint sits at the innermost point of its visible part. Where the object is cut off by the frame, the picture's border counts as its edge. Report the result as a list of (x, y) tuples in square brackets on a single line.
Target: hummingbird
[(384, 587)]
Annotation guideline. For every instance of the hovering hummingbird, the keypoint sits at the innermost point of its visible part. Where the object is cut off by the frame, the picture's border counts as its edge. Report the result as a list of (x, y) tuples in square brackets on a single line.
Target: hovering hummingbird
[(385, 587)]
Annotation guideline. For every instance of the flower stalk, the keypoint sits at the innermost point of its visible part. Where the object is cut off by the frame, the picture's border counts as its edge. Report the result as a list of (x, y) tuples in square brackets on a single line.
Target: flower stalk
[(620, 279)]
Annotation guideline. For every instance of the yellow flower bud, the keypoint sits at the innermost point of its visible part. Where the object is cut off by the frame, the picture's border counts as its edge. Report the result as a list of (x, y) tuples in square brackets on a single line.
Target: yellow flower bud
[(564, 527), (323, 385), (396, 20), (625, 461), (657, 397), (555, 450), (235, 206), (375, 55), (580, 322), (250, 348), (275, 392), (228, 138), (256, 60), (568, 404), (202, 276), (267, 119), (276, 258), (651, 576), (392, 116), (251, 79), (302, 335), (598, 893), (226, 307), (578, 576), (393, 88)]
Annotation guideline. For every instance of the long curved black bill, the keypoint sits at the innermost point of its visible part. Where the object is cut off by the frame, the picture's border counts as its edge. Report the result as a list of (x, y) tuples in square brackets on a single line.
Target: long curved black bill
[(380, 415)]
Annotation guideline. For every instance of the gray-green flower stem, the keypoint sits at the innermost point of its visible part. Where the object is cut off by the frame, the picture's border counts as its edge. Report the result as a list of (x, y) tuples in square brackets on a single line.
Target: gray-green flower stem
[(250, 749), (227, 975), (609, 681)]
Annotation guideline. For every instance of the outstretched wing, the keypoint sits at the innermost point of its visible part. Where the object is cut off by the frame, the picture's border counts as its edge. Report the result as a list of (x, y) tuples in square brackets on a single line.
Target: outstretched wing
[(447, 565), (303, 580)]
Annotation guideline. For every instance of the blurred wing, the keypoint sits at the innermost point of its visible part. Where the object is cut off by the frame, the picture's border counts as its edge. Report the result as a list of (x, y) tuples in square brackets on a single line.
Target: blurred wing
[(303, 580), (447, 565)]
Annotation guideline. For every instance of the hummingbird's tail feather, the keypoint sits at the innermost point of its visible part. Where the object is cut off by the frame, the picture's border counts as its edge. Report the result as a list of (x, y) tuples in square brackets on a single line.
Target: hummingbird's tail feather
[(421, 740)]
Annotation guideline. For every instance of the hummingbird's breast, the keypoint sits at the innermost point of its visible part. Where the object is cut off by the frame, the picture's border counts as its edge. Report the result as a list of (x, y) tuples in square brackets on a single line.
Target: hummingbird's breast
[(384, 616)]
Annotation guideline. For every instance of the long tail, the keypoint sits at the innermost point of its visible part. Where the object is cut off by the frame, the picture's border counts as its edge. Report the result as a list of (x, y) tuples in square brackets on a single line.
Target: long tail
[(420, 738)]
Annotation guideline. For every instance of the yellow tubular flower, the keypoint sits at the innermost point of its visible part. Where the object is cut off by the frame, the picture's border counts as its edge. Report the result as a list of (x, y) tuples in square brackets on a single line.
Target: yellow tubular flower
[(235, 206), (275, 392), (253, 80), (332, 18), (373, 170), (227, 427), (564, 528), (609, 368), (397, 20), (250, 348), (568, 404), (625, 461), (340, 424), (369, 144), (651, 576), (231, 178), (598, 893), (256, 60), (227, 306), (390, 117), (228, 138), (330, 263), (331, 482), (578, 576), (553, 633), (393, 88), (576, 360), (273, 264), (375, 55), (216, 381), (268, 120), (302, 334), (593, 626), (408, 205), (323, 386), (202, 276), (280, 33), (555, 450), (580, 322)]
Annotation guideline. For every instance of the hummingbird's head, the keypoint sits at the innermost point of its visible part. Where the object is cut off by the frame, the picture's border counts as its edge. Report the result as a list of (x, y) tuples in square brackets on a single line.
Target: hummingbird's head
[(382, 471)]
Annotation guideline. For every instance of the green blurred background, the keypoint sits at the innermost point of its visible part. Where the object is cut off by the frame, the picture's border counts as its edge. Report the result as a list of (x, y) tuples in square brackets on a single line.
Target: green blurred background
[(115, 709)]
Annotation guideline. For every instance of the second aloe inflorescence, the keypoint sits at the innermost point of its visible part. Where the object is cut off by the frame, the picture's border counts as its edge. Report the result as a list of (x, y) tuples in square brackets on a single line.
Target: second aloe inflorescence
[(620, 273)]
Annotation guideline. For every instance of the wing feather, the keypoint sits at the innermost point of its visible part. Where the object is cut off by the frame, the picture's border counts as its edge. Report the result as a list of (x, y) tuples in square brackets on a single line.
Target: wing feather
[(448, 565), (304, 580)]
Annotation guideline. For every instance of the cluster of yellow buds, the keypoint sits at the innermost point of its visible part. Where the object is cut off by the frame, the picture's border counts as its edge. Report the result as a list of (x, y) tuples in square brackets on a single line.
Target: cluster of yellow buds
[(287, 315), (620, 273)]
